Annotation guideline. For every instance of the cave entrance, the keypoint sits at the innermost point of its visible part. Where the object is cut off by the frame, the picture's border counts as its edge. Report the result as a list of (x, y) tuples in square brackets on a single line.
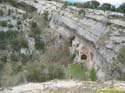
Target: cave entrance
[(83, 57)]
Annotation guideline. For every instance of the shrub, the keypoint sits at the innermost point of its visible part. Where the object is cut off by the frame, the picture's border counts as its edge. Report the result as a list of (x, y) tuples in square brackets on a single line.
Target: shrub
[(6, 38), (36, 72), (3, 59), (78, 71), (24, 58), (58, 55), (39, 43), (40, 72), (91, 4), (10, 25), (24, 6), (45, 14), (56, 71), (122, 8), (11, 75), (106, 6), (19, 22), (33, 24), (11, 34), (3, 23), (19, 43), (93, 74), (121, 55), (1, 13), (14, 57), (6, 79)]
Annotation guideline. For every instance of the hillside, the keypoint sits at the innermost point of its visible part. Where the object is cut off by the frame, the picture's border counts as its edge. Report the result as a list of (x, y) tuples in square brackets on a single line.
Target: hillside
[(44, 40), (100, 34)]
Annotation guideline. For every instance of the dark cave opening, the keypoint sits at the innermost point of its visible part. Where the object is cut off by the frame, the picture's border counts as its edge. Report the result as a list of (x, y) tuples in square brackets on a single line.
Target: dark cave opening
[(83, 57)]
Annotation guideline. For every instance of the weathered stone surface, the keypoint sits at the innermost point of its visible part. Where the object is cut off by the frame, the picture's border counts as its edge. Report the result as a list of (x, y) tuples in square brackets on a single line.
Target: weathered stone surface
[(65, 86), (99, 33)]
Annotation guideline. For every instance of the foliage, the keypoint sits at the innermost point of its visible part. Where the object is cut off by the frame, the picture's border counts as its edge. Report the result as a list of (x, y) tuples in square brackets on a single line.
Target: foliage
[(10, 25), (39, 43), (121, 55), (106, 6), (113, 8), (91, 4), (19, 43), (93, 74), (24, 6), (1, 13), (103, 39), (12, 38), (36, 72), (77, 71), (6, 38), (35, 31), (3, 23), (9, 77), (18, 22), (80, 72), (58, 55), (56, 71), (43, 72), (122, 7)]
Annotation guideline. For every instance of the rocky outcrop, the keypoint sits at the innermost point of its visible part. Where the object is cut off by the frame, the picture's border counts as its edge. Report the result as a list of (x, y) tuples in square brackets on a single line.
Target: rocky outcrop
[(98, 36), (95, 36), (65, 86)]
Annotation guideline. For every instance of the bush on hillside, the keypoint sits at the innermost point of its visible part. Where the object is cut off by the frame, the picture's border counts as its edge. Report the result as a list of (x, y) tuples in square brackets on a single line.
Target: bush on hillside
[(121, 55), (3, 23)]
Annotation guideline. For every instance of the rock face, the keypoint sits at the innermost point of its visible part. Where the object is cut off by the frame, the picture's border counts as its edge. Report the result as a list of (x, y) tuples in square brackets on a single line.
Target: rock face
[(97, 36)]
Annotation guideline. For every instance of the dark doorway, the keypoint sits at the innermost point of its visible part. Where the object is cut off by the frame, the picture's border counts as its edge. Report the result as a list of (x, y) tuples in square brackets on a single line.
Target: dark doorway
[(83, 57)]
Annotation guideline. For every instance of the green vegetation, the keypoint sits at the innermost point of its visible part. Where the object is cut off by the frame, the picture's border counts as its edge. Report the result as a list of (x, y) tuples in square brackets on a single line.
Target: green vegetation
[(93, 74), (97, 5), (19, 42), (39, 43), (121, 55), (77, 71), (122, 8), (3, 23), (106, 6), (13, 39), (80, 72), (18, 22), (103, 39), (91, 4), (1, 13), (10, 25), (24, 6), (41, 68), (8, 35)]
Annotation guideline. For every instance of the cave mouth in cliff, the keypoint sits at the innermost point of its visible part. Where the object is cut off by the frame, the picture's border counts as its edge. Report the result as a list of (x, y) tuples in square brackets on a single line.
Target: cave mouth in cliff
[(83, 57)]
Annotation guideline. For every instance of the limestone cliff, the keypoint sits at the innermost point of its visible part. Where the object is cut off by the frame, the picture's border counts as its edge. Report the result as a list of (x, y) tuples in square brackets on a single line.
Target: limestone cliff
[(96, 36)]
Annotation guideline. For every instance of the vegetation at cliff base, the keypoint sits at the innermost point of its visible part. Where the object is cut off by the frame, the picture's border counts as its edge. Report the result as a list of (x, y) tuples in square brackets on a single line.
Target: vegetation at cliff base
[(80, 72)]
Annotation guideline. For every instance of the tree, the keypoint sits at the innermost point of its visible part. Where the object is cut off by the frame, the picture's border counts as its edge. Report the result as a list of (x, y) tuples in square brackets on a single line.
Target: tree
[(121, 55), (95, 4), (118, 9), (113, 8), (91, 4), (122, 7), (106, 6)]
